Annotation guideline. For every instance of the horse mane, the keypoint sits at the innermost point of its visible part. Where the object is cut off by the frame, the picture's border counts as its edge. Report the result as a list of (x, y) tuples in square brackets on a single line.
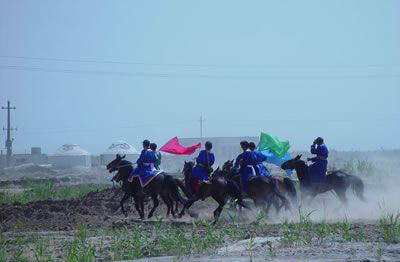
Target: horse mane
[(125, 162)]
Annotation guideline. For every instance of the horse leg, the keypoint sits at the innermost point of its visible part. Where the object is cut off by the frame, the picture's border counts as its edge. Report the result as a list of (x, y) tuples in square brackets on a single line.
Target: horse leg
[(155, 204), (341, 195), (221, 204), (189, 203), (167, 202), (176, 206), (124, 198), (137, 206)]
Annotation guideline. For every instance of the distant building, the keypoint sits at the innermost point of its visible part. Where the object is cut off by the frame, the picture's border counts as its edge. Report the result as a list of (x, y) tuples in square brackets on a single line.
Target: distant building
[(119, 147), (35, 157), (70, 155)]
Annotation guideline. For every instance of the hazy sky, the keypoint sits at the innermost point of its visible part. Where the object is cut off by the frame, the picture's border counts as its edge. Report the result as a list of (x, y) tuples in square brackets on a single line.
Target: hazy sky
[(92, 72)]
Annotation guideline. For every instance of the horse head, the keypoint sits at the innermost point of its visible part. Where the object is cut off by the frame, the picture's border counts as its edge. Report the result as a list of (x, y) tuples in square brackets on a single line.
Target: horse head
[(292, 163), (187, 168), (113, 165), (227, 166)]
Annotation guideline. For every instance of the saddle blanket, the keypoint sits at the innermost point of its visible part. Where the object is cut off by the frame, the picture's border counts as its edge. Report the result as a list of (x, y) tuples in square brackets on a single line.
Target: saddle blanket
[(146, 178)]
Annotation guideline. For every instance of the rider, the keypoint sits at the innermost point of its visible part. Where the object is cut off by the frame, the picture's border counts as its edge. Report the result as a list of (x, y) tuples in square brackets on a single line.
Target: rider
[(317, 171), (239, 158), (153, 147), (145, 163), (247, 162), (203, 167), (259, 167)]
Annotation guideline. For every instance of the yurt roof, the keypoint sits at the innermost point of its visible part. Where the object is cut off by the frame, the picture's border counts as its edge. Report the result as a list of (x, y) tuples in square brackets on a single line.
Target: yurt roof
[(121, 147), (71, 150)]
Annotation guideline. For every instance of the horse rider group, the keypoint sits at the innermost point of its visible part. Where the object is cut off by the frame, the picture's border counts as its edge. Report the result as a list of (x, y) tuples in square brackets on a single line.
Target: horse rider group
[(249, 163), (148, 163)]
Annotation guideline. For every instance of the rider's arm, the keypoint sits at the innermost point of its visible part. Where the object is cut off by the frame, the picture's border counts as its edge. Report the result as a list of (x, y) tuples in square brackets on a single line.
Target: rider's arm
[(201, 159), (237, 161), (261, 157), (212, 159), (314, 150), (140, 159)]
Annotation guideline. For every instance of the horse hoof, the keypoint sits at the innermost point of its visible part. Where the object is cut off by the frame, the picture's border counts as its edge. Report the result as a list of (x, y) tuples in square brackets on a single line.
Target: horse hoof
[(193, 214)]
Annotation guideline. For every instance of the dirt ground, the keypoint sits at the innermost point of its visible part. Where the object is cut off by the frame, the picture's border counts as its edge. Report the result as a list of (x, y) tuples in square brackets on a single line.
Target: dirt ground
[(59, 220)]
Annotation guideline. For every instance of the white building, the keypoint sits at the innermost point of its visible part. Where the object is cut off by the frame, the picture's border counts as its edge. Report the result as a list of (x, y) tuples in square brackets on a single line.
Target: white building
[(119, 147), (70, 155)]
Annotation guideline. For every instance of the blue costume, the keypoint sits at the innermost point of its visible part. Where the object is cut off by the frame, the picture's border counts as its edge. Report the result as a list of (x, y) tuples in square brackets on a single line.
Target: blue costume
[(204, 162), (260, 158), (317, 170), (146, 166), (247, 170)]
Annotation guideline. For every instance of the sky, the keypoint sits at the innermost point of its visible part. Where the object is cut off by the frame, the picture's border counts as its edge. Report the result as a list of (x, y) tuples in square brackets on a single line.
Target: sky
[(92, 72)]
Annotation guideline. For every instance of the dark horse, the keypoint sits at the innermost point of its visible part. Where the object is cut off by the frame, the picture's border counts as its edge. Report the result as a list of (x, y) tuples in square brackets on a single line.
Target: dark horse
[(283, 183), (337, 181), (163, 185), (218, 187), (260, 189)]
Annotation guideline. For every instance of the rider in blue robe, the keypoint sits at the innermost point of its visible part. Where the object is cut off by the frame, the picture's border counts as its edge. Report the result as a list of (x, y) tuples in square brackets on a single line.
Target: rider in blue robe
[(204, 163), (145, 165), (260, 158), (247, 163), (317, 171)]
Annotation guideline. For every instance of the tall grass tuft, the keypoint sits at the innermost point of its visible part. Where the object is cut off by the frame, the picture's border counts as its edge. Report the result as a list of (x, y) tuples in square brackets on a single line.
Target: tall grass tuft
[(47, 191), (79, 250), (389, 223)]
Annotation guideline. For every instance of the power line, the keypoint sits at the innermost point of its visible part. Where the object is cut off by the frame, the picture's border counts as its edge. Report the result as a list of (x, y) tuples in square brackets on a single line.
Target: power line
[(205, 76), (35, 131), (196, 65)]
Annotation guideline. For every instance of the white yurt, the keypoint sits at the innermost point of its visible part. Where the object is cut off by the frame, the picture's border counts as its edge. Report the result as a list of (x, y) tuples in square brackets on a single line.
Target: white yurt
[(70, 155), (119, 147)]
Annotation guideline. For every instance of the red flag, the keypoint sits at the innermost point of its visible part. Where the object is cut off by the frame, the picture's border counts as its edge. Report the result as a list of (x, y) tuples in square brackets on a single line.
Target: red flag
[(173, 147)]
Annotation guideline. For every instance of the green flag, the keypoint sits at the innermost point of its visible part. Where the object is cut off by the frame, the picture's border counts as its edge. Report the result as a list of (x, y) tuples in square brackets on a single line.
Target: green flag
[(273, 144)]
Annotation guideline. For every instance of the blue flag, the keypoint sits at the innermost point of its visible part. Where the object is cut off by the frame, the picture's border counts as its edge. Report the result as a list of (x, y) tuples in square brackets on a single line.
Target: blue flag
[(272, 159)]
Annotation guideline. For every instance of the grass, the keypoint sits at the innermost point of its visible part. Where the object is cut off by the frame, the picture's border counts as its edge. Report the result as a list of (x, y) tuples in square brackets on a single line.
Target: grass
[(389, 224), (360, 167), (80, 250), (47, 191), (306, 232), (42, 252), (139, 240)]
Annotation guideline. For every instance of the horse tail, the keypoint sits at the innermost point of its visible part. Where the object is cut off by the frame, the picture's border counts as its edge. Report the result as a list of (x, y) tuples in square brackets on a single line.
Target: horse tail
[(235, 193), (357, 185), (275, 191), (174, 190), (181, 185), (291, 189)]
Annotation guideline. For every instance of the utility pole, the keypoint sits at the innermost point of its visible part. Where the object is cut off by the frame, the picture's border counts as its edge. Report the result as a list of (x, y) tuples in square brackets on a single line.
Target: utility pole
[(9, 129), (201, 128)]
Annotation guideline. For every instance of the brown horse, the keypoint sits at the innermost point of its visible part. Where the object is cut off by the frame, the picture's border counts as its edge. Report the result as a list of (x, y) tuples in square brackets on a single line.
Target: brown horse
[(337, 181), (260, 189), (163, 185), (284, 184), (218, 187)]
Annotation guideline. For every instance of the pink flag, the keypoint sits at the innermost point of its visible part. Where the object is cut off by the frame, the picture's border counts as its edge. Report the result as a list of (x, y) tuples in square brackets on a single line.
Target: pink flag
[(173, 147)]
